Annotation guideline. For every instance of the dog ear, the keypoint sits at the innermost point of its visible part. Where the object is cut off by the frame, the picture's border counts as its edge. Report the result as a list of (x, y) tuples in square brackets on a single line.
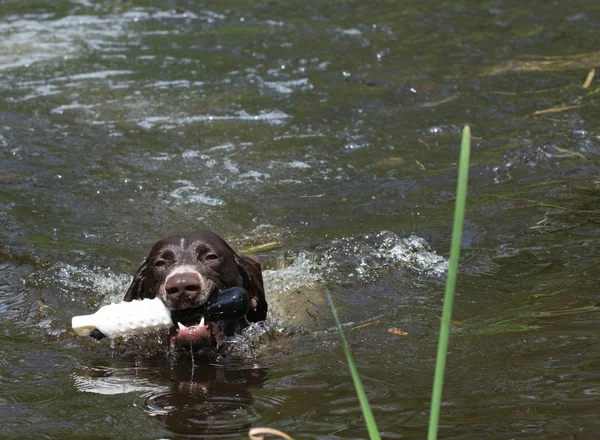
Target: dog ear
[(136, 289), (253, 283)]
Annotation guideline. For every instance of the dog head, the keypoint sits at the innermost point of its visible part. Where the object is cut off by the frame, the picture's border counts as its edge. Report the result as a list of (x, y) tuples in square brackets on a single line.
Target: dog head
[(184, 271)]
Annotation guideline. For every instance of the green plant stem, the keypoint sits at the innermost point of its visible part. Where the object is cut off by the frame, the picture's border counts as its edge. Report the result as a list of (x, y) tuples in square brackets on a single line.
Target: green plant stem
[(459, 215), (360, 392)]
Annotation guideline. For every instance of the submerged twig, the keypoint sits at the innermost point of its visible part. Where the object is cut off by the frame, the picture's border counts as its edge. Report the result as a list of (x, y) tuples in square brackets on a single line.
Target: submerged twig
[(568, 153), (590, 78), (311, 196), (424, 143), (548, 182), (525, 92), (262, 247), (557, 109), (548, 205), (550, 63), (366, 324), (440, 102)]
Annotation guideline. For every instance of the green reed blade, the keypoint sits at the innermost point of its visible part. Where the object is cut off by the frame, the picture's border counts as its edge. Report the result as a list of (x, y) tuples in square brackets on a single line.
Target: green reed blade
[(360, 392), (459, 215)]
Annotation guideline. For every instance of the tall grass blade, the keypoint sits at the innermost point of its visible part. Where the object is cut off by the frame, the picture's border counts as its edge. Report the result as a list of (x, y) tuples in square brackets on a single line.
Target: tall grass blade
[(459, 215), (360, 392)]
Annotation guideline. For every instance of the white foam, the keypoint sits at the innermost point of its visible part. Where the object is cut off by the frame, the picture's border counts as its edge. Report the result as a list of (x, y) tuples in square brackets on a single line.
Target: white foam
[(74, 106), (75, 280), (35, 38), (231, 166), (350, 32), (254, 175), (25, 41), (296, 164), (43, 90), (297, 275), (168, 84), (84, 3), (192, 154), (191, 194), (226, 147), (275, 117), (287, 87), (414, 253), (295, 290), (214, 15), (112, 385), (101, 74), (358, 258)]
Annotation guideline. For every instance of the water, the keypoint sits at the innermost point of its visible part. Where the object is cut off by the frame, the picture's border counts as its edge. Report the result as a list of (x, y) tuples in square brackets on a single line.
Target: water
[(321, 138)]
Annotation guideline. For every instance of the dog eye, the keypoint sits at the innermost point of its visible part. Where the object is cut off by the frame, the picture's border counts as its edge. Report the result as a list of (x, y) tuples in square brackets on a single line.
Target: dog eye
[(160, 263), (211, 257)]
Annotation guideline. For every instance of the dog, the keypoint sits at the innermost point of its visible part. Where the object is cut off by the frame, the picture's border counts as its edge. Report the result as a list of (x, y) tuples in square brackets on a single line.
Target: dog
[(184, 271)]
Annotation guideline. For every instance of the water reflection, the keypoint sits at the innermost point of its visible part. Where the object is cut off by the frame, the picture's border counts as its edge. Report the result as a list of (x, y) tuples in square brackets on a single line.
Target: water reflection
[(190, 396)]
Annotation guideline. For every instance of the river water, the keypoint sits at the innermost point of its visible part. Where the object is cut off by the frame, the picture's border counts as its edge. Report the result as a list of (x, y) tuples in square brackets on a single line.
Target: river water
[(322, 139)]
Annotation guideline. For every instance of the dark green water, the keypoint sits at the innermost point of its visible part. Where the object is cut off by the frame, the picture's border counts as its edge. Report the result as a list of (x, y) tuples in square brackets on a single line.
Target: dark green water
[(330, 132)]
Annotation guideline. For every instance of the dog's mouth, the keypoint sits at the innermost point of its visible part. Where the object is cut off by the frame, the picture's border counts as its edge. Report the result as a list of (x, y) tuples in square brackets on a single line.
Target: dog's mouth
[(191, 327), (206, 324)]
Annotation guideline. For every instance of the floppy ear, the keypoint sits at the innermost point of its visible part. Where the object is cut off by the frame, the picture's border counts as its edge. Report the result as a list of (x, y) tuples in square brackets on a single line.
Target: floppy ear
[(136, 289), (253, 283)]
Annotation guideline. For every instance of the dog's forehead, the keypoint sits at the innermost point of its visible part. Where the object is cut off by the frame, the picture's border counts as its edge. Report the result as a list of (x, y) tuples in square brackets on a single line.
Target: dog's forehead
[(207, 238), (190, 242), (172, 242)]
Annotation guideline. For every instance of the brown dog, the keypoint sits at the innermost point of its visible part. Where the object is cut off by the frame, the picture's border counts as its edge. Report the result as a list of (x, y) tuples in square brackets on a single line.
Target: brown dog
[(183, 271)]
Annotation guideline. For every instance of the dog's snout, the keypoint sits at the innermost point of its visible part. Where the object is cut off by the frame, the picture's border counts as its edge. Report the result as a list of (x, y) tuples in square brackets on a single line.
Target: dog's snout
[(186, 283)]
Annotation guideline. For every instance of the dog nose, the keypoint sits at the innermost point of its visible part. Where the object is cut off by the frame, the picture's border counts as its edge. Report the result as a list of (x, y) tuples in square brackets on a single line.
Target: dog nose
[(186, 283)]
